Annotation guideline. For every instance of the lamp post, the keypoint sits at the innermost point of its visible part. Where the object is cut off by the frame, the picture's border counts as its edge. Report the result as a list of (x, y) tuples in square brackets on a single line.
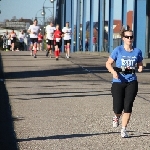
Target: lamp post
[(43, 14), (52, 1), (0, 10), (37, 13)]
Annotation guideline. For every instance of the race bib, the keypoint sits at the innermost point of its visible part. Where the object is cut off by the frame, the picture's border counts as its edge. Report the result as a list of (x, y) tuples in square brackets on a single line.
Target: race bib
[(57, 39)]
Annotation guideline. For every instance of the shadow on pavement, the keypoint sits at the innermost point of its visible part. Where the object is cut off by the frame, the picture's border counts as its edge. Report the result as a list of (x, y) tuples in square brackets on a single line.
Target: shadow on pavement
[(78, 136), (55, 97), (7, 134), (64, 136), (53, 72)]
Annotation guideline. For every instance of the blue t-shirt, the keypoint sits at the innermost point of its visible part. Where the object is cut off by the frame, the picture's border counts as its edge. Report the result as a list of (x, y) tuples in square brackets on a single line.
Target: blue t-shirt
[(124, 58)]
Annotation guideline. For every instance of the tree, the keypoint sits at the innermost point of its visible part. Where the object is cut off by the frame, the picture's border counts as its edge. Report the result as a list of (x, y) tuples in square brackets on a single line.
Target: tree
[(6, 20), (14, 18), (21, 19)]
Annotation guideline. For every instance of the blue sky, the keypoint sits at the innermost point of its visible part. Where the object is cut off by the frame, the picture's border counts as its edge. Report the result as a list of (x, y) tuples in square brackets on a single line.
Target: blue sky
[(29, 8), (117, 9)]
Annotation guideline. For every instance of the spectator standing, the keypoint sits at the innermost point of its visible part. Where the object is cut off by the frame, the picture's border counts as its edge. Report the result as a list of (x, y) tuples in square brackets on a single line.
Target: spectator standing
[(13, 39), (94, 43), (86, 44), (5, 38), (9, 43)]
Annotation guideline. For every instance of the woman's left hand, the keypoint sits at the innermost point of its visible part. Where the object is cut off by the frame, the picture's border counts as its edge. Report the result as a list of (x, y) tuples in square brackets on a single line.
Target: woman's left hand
[(140, 69)]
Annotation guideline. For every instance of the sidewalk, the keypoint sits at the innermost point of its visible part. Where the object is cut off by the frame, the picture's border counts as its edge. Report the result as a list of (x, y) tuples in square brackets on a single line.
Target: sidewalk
[(67, 104), (7, 135), (146, 61)]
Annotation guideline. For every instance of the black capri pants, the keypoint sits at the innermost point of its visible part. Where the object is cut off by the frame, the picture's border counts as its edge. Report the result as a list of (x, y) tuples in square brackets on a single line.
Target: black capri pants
[(58, 44), (50, 42), (33, 40), (13, 40), (123, 96), (67, 41)]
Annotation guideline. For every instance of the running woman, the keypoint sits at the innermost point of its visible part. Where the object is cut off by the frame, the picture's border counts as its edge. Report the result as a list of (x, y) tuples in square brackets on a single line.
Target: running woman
[(124, 84), (57, 41), (40, 39), (13, 39), (33, 31), (67, 39), (50, 38)]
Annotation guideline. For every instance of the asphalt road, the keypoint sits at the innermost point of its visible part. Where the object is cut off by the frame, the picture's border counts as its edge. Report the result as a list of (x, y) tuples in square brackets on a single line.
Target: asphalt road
[(66, 105)]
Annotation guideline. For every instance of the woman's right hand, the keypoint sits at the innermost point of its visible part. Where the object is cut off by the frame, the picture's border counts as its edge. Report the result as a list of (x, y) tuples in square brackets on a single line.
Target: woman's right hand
[(33, 32), (115, 75)]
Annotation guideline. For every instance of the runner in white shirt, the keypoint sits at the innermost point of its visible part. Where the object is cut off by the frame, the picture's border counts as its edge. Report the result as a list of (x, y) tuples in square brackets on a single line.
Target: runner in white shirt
[(50, 38), (21, 38), (67, 39), (34, 30)]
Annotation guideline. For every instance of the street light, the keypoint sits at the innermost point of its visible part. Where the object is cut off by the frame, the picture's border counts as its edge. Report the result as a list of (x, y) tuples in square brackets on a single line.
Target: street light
[(37, 13), (43, 14), (52, 1)]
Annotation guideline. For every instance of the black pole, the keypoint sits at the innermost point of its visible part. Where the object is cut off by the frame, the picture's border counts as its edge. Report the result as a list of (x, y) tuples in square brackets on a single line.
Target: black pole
[(148, 29)]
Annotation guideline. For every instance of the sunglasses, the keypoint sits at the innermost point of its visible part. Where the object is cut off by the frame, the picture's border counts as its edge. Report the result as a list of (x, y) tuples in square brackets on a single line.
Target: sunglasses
[(126, 36)]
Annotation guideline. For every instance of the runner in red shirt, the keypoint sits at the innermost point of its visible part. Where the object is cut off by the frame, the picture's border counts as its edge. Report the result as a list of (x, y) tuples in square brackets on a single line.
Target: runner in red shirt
[(40, 39), (57, 41)]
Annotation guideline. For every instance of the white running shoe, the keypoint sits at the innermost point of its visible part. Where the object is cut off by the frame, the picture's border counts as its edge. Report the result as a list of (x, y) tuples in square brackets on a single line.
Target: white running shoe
[(115, 122), (31, 53), (124, 133), (66, 55)]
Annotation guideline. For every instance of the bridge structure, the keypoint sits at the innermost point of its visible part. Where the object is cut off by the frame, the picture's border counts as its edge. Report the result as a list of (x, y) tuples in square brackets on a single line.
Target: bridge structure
[(75, 12)]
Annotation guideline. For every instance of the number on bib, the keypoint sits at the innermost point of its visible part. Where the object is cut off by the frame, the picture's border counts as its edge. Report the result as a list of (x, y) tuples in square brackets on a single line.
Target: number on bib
[(57, 39)]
